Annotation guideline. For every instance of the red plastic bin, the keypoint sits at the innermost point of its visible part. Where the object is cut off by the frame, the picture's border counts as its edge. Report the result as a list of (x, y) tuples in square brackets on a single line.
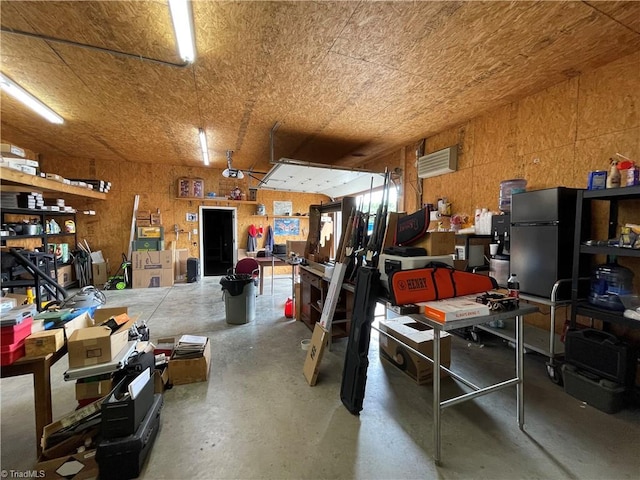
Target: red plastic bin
[(11, 353), (15, 333)]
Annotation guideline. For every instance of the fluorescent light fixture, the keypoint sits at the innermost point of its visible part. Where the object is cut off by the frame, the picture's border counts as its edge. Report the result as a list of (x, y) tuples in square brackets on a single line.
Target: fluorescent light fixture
[(183, 27), (20, 94), (203, 147)]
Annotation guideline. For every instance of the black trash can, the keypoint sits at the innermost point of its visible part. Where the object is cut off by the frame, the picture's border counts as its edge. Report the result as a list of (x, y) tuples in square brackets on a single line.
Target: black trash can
[(239, 298)]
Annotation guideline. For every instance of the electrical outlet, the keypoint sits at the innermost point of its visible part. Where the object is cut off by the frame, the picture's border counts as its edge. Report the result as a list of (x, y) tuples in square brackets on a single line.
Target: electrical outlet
[(195, 231)]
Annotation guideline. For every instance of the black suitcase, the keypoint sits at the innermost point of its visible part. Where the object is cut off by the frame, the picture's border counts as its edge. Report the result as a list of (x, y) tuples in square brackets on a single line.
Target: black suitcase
[(193, 270), (123, 458)]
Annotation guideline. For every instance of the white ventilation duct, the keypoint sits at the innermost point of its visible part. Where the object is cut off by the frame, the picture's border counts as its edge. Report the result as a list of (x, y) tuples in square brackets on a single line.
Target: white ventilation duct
[(438, 163)]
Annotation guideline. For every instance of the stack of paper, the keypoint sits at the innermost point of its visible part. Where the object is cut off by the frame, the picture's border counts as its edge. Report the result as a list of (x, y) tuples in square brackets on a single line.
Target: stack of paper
[(190, 346), (451, 309)]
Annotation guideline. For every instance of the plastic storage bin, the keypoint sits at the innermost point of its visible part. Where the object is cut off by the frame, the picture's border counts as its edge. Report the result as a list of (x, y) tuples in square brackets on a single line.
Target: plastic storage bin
[(239, 298), (508, 188)]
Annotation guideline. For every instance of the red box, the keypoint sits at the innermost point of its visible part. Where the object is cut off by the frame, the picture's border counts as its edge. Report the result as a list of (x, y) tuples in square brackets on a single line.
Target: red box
[(11, 353), (15, 333)]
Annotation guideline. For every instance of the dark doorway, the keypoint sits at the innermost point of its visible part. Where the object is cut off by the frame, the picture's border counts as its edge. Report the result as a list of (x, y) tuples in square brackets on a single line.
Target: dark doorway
[(217, 241)]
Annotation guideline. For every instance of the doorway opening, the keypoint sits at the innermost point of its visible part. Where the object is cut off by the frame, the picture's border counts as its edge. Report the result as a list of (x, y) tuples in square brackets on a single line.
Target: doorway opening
[(218, 250)]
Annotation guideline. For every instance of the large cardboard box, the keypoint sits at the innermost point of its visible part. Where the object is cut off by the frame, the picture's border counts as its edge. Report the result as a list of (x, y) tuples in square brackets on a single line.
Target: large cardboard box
[(79, 466), (43, 343), (95, 389), (83, 320), (437, 243), (100, 273), (152, 278), (66, 275), (105, 313), (152, 260), (417, 336), (191, 370), (94, 345)]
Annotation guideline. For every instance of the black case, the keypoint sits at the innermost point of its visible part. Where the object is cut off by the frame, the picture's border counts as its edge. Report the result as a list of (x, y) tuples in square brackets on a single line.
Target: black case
[(601, 353), (193, 269), (123, 417), (356, 363), (123, 458)]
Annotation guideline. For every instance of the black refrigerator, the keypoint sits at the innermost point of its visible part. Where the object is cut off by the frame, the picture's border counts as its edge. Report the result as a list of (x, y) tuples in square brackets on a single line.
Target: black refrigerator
[(542, 236)]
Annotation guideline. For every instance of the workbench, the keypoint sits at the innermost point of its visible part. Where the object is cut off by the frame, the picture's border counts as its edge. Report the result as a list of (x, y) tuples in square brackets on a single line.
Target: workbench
[(438, 328), (40, 367)]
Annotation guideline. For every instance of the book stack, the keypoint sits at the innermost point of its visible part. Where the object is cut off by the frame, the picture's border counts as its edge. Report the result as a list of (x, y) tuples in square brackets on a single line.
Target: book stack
[(189, 346)]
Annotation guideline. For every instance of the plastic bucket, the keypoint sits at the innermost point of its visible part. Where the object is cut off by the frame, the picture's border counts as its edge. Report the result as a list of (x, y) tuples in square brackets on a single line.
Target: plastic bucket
[(508, 188)]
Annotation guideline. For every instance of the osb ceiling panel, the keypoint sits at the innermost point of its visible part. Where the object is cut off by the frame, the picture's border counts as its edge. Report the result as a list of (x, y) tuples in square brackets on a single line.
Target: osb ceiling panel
[(348, 82)]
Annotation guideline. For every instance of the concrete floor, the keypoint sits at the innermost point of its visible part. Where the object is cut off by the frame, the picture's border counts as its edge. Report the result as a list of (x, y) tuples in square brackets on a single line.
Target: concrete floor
[(256, 417)]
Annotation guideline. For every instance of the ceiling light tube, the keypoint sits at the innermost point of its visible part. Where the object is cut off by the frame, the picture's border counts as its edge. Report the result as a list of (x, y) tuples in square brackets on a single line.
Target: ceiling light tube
[(203, 147), (183, 27), (20, 94)]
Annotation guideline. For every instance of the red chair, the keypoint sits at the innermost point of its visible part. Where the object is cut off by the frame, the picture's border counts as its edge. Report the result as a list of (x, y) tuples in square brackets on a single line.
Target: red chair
[(249, 266)]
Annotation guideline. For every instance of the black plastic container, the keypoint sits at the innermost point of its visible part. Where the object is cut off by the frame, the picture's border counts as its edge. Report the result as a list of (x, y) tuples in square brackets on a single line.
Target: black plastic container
[(122, 415), (123, 458)]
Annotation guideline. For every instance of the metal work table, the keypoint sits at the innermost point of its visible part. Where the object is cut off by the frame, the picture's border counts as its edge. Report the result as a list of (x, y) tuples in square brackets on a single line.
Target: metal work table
[(438, 404)]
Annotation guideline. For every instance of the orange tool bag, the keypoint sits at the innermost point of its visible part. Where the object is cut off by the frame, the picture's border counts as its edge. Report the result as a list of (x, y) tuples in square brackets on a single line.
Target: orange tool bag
[(435, 282)]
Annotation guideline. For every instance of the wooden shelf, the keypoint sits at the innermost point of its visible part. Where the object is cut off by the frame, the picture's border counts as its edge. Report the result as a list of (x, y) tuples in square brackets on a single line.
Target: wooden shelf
[(9, 176), (219, 200)]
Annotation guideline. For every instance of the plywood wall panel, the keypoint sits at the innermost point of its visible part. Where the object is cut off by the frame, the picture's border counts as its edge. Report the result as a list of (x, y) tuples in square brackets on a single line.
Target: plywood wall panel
[(548, 119), (550, 167), (494, 136), (610, 98)]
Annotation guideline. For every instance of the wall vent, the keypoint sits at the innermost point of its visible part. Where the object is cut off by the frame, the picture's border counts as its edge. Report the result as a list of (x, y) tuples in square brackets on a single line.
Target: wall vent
[(438, 163)]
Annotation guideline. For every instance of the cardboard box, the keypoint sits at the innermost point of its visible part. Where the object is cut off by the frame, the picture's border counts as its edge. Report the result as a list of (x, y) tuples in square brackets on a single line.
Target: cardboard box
[(66, 275), (94, 345), (143, 222), (191, 370), (296, 246), (152, 260), (105, 313), (95, 389), (79, 466), (156, 219), (160, 380), (152, 278), (143, 214), (43, 343), (73, 419), (100, 272), (417, 336), (180, 256), (83, 320), (437, 243)]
